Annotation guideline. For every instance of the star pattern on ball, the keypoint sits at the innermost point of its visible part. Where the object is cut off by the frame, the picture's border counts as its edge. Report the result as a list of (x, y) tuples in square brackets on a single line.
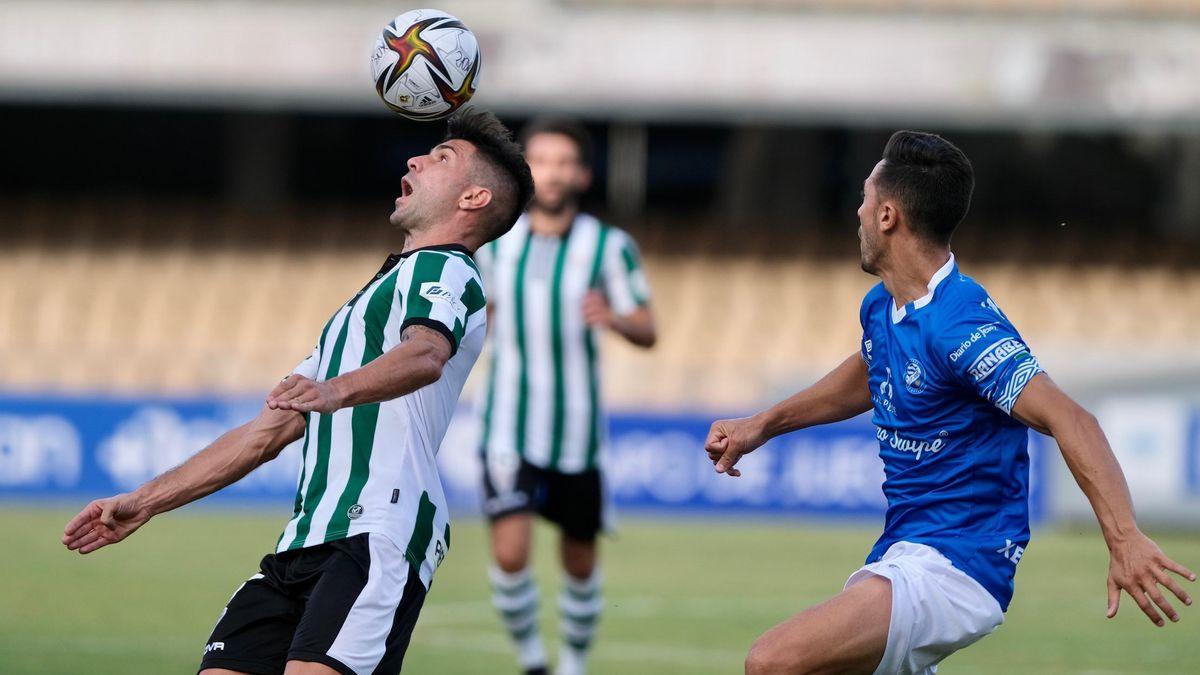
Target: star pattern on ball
[(408, 46)]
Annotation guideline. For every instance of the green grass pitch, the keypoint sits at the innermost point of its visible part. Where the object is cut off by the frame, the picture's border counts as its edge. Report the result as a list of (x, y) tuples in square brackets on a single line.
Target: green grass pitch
[(684, 596)]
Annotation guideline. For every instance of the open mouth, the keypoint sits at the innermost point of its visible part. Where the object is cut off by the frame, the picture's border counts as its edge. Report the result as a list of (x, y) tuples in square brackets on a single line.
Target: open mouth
[(406, 188)]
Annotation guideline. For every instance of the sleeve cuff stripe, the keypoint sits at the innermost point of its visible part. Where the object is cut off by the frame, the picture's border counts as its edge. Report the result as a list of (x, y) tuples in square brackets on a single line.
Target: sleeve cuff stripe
[(435, 325)]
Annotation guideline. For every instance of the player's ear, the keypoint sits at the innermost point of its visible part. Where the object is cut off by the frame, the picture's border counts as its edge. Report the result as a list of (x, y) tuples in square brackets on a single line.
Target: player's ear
[(474, 197), (889, 217)]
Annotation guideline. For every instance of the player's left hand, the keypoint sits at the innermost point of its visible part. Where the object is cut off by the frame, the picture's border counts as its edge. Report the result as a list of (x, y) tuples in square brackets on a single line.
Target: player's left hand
[(597, 311), (301, 394), (1138, 566), (105, 521)]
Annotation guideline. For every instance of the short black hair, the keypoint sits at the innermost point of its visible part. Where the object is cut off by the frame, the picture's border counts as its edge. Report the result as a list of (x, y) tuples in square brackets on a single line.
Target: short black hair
[(495, 144), (563, 126), (931, 178)]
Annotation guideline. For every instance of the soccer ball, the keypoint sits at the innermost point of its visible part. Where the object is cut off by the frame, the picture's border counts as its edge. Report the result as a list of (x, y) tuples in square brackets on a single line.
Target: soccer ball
[(425, 64)]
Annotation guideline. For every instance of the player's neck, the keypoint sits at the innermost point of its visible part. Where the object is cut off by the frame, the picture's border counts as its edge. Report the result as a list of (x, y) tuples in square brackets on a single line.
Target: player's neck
[(552, 224), (436, 236), (908, 278)]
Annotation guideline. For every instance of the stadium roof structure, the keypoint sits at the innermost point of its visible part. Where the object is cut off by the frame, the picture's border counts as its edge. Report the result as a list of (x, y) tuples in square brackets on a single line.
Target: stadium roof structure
[(1064, 64)]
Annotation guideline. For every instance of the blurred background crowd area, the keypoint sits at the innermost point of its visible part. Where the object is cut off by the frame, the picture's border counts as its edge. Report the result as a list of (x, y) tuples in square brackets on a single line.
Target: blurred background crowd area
[(192, 188)]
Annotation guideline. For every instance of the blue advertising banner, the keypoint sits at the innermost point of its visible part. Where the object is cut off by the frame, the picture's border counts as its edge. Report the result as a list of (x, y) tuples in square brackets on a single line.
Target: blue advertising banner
[(54, 448)]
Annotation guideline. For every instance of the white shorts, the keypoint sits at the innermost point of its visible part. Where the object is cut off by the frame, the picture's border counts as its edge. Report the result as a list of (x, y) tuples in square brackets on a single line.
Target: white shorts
[(936, 608)]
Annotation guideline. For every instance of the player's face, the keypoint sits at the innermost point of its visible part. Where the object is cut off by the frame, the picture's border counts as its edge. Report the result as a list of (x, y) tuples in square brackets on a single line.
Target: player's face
[(868, 223), (434, 182), (559, 176)]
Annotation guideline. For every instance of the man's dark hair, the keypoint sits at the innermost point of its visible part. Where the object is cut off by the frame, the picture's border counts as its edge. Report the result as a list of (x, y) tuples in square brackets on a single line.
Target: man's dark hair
[(931, 178), (564, 127), (505, 171)]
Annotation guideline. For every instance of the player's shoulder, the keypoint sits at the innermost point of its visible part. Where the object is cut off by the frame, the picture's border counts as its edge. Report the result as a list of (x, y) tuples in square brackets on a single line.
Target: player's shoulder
[(444, 261), (878, 293), (962, 295)]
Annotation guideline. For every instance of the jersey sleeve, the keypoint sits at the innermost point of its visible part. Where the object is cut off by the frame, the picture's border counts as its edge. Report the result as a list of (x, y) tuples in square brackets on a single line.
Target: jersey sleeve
[(624, 279), (308, 367), (442, 292), (985, 353)]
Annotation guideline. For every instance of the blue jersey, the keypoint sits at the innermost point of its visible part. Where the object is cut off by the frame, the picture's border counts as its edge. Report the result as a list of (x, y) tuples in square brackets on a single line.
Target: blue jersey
[(945, 371)]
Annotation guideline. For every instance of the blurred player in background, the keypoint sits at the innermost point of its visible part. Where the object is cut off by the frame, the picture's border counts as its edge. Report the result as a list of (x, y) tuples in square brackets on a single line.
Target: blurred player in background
[(342, 591), (953, 388), (553, 282)]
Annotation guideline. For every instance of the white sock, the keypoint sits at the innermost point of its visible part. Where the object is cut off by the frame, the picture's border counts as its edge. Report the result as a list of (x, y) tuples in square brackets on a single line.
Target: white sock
[(515, 597), (579, 607)]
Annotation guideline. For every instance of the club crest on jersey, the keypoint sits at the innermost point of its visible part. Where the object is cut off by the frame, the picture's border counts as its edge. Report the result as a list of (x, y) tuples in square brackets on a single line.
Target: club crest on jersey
[(354, 512), (914, 377)]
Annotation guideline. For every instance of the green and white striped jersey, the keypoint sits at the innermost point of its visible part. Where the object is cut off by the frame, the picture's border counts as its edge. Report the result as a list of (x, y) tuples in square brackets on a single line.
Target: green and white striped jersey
[(372, 468), (542, 401)]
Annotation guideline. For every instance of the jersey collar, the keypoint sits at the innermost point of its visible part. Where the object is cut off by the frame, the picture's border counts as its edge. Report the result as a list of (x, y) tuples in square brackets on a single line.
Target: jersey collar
[(898, 314), (436, 247)]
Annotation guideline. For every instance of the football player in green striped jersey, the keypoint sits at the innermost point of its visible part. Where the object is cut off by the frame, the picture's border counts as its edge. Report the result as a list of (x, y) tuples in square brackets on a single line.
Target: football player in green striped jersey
[(556, 280), (343, 588)]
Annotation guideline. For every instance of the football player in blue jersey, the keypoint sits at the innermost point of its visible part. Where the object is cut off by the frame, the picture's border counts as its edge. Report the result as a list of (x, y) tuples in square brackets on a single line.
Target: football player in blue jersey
[(953, 389)]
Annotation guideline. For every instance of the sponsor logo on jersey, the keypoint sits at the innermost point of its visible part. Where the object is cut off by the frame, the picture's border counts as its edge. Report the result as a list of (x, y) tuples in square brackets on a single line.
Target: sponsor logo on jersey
[(214, 646), (914, 377), (993, 356), (976, 335), (354, 512), (434, 291), (867, 349), (886, 393), (918, 447), (1011, 551)]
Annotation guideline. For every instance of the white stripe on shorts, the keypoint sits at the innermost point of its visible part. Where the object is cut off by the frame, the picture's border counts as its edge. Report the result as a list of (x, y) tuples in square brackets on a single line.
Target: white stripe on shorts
[(361, 642)]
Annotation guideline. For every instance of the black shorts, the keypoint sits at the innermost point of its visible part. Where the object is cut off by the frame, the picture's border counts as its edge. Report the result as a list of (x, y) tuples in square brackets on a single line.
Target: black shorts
[(349, 604), (573, 501)]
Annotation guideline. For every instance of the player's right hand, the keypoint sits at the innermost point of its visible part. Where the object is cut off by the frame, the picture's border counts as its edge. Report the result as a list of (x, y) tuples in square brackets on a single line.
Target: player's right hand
[(728, 440), (104, 522)]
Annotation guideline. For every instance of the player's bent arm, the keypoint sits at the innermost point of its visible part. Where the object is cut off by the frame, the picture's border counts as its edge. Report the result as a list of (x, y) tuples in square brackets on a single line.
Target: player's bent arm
[(1137, 564), (225, 461), (637, 327), (841, 394), (416, 362)]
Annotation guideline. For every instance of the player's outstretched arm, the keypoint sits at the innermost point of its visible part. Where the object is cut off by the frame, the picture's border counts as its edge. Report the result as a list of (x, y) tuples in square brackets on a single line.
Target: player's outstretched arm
[(1136, 565), (840, 395), (416, 362), (229, 458)]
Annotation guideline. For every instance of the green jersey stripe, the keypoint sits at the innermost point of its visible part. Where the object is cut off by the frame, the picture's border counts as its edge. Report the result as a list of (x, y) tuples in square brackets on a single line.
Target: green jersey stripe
[(465, 258), (632, 266), (422, 532), (427, 267), (364, 417), (320, 476), (593, 447), (519, 313), (556, 348), (473, 299)]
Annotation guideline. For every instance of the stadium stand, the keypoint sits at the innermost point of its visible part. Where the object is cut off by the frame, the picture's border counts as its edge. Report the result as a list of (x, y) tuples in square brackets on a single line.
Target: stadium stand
[(178, 298)]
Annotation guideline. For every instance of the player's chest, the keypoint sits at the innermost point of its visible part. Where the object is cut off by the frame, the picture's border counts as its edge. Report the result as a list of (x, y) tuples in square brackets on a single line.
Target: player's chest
[(544, 267), (906, 384)]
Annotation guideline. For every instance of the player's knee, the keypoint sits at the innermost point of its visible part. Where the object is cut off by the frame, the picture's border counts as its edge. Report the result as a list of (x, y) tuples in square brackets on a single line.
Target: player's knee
[(511, 562), (768, 657), (511, 556), (765, 659)]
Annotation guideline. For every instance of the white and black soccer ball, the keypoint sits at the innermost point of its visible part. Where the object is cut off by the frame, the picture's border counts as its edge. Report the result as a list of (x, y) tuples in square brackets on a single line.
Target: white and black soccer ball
[(425, 64)]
